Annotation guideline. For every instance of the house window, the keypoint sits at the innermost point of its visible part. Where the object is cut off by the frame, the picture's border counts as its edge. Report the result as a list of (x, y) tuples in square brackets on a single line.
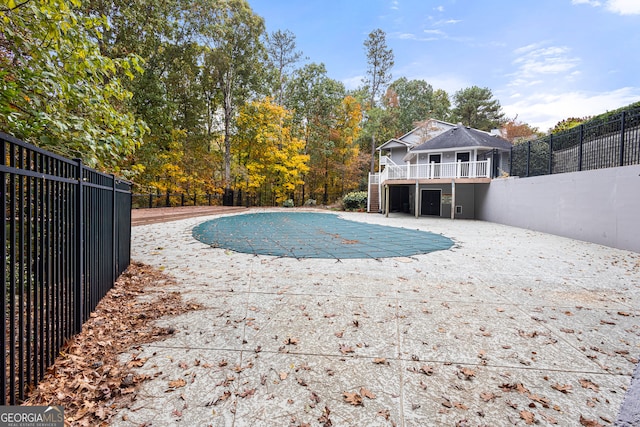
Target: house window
[(435, 158), (463, 156)]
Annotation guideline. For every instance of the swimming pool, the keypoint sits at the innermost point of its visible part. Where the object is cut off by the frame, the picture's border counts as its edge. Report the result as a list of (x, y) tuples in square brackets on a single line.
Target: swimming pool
[(315, 235)]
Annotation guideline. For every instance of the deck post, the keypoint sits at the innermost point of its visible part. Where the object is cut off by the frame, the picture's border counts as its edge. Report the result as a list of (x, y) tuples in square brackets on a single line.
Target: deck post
[(386, 201)]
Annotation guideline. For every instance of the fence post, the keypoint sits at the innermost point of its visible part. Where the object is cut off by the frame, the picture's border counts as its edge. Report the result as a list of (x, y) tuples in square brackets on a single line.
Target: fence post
[(150, 199), (114, 229), (528, 156), (622, 119), (511, 160), (167, 201), (181, 199), (550, 154), (3, 316), (580, 148), (79, 273), (209, 197)]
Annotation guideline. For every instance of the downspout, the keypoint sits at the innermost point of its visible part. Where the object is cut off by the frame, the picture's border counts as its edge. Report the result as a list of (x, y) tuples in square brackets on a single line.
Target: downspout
[(415, 200), (453, 198)]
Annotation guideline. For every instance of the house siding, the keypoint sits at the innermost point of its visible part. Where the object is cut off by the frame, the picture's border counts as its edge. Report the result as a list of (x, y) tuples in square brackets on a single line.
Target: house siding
[(465, 198)]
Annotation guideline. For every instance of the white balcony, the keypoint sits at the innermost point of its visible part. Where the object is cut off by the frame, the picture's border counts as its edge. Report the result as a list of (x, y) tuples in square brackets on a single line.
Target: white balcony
[(479, 169)]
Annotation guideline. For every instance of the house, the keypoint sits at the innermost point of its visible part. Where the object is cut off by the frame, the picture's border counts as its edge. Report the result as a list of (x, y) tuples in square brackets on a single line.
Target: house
[(435, 170)]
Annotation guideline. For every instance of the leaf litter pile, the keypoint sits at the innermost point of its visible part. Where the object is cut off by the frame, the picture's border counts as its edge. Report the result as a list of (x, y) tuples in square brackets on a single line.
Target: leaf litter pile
[(87, 378)]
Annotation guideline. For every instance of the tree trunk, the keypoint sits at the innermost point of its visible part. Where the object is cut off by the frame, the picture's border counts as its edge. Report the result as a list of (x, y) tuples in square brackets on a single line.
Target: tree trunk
[(373, 154)]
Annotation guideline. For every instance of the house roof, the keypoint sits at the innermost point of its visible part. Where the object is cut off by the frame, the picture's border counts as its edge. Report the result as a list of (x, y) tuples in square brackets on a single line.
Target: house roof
[(393, 142), (415, 136), (420, 128), (463, 137)]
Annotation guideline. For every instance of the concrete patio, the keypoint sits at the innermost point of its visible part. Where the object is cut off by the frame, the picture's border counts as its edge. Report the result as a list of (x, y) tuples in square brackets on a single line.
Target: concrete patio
[(509, 327)]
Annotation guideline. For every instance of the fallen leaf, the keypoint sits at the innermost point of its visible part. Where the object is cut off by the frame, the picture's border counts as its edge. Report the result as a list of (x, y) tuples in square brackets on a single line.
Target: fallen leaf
[(384, 413), (344, 349), (291, 341), (247, 393), (427, 370), (324, 418), (461, 405), (563, 388), (589, 423), (283, 376), (352, 398), (588, 384), (380, 361), (177, 383), (487, 396), (528, 417), (339, 334), (176, 413), (468, 373), (224, 396), (367, 393), (314, 399)]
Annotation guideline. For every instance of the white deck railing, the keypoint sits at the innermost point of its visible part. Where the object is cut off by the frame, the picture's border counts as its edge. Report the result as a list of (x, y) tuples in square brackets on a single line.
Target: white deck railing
[(479, 169)]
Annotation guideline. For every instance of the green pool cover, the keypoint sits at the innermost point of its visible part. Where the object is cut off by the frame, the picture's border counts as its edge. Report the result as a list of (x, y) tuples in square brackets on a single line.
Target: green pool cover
[(315, 235)]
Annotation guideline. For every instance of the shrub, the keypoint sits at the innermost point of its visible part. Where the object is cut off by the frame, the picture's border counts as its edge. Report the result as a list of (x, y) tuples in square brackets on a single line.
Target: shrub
[(310, 202), (355, 200), (288, 203)]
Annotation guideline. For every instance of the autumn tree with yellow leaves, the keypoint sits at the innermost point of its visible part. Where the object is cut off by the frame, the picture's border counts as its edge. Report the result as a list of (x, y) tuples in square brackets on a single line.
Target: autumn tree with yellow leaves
[(269, 160)]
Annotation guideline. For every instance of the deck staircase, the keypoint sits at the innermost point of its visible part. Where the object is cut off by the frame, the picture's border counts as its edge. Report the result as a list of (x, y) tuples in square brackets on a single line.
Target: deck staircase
[(374, 203)]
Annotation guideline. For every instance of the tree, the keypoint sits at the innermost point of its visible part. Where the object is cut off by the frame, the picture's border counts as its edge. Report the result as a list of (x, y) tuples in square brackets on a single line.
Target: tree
[(271, 160), (569, 123), (343, 168), (413, 100), (476, 108), (281, 48), (441, 109), (314, 98), (230, 32), (517, 132), (380, 62), (56, 88)]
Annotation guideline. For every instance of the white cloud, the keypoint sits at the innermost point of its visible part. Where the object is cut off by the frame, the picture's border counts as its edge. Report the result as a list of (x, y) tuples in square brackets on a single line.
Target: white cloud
[(351, 83), (621, 7), (440, 8), (395, 5), (411, 36), (447, 22), (545, 110), (536, 60), (624, 7), (593, 3)]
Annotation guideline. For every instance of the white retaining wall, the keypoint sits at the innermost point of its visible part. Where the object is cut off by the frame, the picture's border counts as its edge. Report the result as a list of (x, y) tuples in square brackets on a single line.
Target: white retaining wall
[(600, 206)]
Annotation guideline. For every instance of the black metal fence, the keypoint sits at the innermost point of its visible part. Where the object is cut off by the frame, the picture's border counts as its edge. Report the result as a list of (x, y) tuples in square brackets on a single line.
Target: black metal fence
[(595, 145), (167, 200), (67, 234)]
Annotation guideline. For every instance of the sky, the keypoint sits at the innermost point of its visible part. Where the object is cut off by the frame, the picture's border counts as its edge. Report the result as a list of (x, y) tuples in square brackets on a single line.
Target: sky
[(544, 60)]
